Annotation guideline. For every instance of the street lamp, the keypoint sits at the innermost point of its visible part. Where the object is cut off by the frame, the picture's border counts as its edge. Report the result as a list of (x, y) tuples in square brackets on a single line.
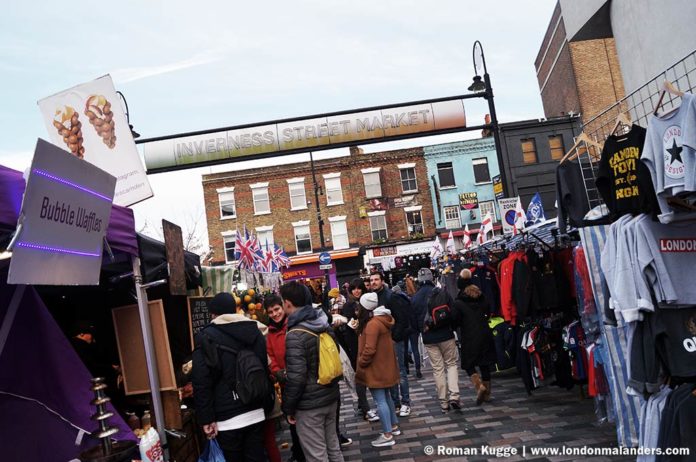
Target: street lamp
[(479, 86), (320, 221), (133, 132)]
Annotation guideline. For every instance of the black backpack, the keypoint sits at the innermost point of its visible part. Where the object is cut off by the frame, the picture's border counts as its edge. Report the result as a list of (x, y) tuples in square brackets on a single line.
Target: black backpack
[(439, 308)]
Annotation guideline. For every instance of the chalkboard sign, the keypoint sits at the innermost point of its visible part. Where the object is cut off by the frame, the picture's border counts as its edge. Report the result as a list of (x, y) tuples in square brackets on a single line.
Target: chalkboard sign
[(199, 316)]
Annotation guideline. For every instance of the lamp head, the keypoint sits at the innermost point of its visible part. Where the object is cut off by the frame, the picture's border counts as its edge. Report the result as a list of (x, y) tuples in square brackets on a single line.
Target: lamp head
[(478, 85)]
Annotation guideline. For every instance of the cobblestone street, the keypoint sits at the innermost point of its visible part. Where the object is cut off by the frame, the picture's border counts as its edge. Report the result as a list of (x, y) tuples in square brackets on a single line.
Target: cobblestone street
[(551, 417)]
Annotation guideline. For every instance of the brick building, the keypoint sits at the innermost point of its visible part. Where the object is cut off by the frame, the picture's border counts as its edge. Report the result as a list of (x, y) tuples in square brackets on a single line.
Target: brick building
[(577, 74), (367, 201)]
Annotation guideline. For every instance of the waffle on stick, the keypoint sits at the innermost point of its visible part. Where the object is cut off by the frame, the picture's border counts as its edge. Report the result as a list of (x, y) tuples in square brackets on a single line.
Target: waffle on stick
[(98, 111), (72, 132)]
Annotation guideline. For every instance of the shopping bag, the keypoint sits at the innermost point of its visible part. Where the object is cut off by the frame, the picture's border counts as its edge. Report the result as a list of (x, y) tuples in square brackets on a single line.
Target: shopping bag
[(212, 453)]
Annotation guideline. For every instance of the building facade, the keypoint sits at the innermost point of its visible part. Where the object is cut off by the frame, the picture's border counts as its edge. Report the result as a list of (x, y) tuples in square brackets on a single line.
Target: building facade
[(366, 201), (461, 173), (531, 151)]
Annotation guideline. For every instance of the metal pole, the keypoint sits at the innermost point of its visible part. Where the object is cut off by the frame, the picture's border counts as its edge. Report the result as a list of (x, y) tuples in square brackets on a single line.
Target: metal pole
[(319, 220), (150, 355), (496, 130)]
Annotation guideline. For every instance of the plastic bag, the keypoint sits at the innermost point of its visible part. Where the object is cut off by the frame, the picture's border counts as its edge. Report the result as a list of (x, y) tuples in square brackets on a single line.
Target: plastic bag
[(212, 453), (151, 447)]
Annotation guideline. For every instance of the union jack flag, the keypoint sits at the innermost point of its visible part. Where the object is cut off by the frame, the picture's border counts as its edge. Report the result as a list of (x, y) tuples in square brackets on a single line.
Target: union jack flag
[(246, 250), (268, 262), (279, 257)]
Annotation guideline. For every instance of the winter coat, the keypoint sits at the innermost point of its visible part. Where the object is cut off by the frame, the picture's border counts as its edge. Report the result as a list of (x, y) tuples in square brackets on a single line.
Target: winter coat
[(400, 308), (477, 347), (275, 346), (302, 363), (347, 337), (214, 399), (420, 303), (377, 367)]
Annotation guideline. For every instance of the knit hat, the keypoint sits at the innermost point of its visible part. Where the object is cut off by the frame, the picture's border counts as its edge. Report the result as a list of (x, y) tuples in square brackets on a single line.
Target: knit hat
[(425, 275), (334, 293), (369, 301), (222, 303)]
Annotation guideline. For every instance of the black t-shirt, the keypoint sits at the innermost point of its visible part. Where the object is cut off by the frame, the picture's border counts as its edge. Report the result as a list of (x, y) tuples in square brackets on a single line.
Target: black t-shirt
[(622, 179)]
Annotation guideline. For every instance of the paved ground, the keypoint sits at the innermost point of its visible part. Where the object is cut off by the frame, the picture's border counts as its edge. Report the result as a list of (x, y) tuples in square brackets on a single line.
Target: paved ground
[(551, 417)]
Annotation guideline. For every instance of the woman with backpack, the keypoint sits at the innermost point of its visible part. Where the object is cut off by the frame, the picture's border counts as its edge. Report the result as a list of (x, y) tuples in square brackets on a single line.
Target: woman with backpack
[(477, 345), (377, 367)]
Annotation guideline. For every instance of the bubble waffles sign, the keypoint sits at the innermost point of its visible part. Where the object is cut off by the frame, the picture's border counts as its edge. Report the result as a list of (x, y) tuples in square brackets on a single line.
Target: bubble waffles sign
[(88, 121), (63, 220)]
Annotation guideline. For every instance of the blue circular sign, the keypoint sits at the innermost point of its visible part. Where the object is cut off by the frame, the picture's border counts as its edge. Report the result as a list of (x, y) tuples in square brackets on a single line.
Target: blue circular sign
[(324, 258)]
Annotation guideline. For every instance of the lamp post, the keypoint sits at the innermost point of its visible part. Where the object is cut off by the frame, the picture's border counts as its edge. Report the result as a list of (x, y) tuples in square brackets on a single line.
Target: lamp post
[(485, 86), (319, 219)]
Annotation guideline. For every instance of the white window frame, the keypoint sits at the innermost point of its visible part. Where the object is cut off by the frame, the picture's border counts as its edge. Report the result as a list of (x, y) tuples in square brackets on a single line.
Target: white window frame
[(372, 173), (415, 208), (454, 179), (485, 207), (226, 235), (480, 161), (301, 225), (331, 180), (378, 213), (339, 237), (297, 183), (258, 187), (459, 216), (265, 231), (403, 167), (229, 192)]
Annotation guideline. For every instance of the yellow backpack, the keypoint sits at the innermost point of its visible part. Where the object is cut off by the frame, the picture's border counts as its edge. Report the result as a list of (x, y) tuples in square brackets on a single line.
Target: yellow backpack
[(330, 366)]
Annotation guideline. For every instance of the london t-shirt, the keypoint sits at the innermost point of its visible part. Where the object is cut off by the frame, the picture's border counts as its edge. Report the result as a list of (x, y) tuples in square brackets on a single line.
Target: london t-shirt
[(622, 180)]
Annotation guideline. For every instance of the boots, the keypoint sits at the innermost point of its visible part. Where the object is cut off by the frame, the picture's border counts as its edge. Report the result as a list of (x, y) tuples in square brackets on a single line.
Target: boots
[(479, 387), (487, 397)]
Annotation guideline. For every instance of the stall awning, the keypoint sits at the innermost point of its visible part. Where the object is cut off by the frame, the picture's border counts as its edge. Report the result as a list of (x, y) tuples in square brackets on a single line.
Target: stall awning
[(314, 257)]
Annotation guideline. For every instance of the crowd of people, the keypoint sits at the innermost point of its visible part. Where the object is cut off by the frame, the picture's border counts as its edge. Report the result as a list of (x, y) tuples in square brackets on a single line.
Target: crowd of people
[(246, 374)]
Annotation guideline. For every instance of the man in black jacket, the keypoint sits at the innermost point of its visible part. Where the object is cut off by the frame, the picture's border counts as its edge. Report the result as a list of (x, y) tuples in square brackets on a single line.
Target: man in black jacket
[(399, 307), (238, 427), (306, 403)]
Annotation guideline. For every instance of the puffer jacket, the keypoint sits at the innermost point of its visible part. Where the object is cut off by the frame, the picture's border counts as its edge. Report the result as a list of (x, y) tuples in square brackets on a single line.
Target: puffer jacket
[(477, 345), (302, 363), (214, 399)]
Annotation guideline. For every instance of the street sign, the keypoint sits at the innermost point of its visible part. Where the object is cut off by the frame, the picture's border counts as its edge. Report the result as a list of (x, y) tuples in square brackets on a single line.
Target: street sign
[(325, 267), (324, 259), (498, 187)]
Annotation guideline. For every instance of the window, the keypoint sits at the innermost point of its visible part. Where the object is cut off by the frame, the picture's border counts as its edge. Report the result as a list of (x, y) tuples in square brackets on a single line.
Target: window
[(339, 233), (446, 174), (481, 173), (378, 225), (298, 199), (408, 180), (373, 186), (226, 198), (334, 194), (529, 155), (303, 240), (452, 220), (265, 234), (262, 203), (485, 207), (414, 221), (556, 147), (228, 239)]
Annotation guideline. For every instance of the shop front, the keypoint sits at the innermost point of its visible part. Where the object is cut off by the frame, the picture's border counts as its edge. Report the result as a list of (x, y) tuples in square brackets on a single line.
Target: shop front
[(344, 264), (398, 260)]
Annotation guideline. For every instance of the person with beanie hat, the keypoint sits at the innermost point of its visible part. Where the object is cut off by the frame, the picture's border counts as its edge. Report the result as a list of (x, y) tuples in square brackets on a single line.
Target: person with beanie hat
[(477, 344), (377, 366), (237, 426)]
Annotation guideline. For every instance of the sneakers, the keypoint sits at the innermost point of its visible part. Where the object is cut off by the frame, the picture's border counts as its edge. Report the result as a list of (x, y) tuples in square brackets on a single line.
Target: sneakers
[(405, 410), (371, 416), (344, 441), (383, 441), (396, 431)]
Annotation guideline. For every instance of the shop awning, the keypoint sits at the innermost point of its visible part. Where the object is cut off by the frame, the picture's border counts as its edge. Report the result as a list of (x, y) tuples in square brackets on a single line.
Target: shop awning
[(314, 257)]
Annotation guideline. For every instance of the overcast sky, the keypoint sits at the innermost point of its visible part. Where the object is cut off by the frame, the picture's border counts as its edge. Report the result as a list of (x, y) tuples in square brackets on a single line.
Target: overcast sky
[(187, 66)]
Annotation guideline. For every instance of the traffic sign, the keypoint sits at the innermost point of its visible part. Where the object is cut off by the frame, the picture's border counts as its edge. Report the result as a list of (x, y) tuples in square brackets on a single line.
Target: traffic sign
[(324, 258), (325, 267)]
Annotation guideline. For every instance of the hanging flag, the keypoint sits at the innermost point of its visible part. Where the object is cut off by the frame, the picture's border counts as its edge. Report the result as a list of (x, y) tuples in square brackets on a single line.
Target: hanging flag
[(279, 257), (467, 237), (520, 218), (245, 250), (437, 248), (450, 244), (269, 265), (535, 211), (486, 227)]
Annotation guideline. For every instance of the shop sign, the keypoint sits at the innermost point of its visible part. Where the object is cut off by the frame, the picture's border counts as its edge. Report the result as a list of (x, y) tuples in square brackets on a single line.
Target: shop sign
[(508, 213), (294, 274), (415, 249), (88, 120), (498, 187), (405, 201), (384, 251), (468, 200), (63, 220), (315, 132)]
